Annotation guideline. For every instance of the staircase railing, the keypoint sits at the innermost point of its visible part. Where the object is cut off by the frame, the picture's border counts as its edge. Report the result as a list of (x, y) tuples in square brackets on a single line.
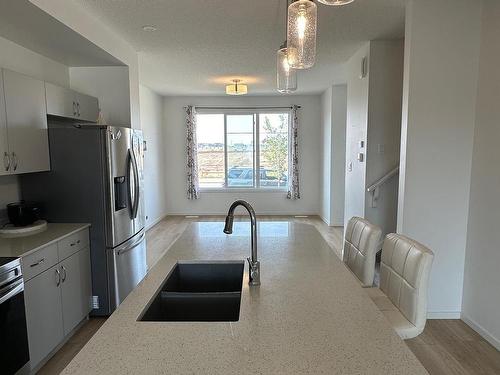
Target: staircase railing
[(374, 188)]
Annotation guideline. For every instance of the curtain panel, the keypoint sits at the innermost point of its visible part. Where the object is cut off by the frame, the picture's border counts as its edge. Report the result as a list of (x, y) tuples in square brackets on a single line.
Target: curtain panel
[(192, 154), (293, 185)]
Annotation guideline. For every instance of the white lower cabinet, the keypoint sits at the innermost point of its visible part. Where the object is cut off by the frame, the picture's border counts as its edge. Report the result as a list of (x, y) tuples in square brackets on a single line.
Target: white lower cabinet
[(76, 288), (43, 313), (57, 299)]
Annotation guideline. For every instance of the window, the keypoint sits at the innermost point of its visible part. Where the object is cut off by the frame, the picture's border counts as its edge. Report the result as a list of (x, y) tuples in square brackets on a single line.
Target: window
[(234, 145)]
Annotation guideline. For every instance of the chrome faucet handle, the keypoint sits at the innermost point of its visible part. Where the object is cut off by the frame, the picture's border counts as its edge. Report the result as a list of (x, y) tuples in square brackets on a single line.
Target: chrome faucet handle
[(254, 271)]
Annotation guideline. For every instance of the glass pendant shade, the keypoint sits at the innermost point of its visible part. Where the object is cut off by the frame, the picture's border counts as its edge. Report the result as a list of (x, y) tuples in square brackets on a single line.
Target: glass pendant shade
[(286, 77), (301, 34), (335, 2)]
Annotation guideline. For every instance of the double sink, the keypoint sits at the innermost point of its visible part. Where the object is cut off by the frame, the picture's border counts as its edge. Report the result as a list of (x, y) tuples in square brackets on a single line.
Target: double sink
[(198, 292)]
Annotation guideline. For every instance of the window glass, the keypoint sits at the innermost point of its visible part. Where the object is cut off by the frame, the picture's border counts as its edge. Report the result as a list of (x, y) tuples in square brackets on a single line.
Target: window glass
[(240, 150), (210, 141), (273, 134)]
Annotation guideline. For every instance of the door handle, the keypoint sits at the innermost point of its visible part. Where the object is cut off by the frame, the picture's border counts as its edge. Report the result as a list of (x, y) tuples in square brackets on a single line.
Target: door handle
[(78, 108), (38, 263), (63, 272), (74, 109), (6, 160), (58, 277), (14, 161), (136, 183)]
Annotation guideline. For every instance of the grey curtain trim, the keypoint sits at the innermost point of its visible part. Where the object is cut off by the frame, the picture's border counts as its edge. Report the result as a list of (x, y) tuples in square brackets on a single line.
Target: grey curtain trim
[(192, 154), (294, 186)]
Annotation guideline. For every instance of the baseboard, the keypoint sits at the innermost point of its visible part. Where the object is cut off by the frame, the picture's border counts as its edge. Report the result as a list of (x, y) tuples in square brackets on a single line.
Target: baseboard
[(443, 314), (153, 223), (483, 332), (327, 222)]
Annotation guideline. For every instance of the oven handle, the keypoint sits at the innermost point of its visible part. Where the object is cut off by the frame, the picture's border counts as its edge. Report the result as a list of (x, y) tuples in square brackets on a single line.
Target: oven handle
[(11, 290)]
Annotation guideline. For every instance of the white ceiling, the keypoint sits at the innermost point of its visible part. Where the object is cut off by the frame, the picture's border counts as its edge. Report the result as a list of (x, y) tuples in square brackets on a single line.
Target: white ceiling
[(200, 45), (29, 26)]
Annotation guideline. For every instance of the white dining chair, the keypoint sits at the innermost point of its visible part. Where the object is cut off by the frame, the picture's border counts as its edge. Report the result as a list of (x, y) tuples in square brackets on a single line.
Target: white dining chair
[(404, 278), (361, 243)]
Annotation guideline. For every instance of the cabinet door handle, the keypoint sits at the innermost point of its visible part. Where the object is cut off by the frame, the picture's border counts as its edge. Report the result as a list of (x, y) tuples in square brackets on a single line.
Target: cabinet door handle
[(14, 161), (6, 160), (74, 108), (63, 271), (78, 108), (58, 277), (38, 263)]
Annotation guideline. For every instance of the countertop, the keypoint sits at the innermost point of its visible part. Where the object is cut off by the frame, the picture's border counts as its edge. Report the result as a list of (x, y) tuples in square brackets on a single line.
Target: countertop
[(309, 316), (22, 246)]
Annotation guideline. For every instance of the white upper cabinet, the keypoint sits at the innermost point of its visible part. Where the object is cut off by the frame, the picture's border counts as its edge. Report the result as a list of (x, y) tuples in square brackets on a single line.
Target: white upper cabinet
[(26, 118), (67, 103), (4, 144)]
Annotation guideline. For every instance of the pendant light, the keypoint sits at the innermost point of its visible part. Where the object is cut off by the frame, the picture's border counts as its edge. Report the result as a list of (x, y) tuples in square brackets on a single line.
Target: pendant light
[(335, 2), (301, 35), (286, 76), (236, 88)]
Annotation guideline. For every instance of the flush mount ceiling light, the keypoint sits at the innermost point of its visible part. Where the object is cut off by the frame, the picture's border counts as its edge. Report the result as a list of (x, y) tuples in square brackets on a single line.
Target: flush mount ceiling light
[(236, 88), (149, 28), (335, 2), (301, 34)]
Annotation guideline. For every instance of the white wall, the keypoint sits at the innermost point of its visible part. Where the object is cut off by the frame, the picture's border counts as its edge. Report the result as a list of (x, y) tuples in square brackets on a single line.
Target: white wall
[(110, 84), (155, 190), (481, 300), (356, 131), (333, 137), (264, 202), (74, 16), (384, 129), (326, 155), (22, 60), (337, 183), (441, 64)]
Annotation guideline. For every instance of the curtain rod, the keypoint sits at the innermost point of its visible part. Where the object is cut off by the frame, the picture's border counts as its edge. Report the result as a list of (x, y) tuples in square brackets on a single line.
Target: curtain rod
[(207, 107)]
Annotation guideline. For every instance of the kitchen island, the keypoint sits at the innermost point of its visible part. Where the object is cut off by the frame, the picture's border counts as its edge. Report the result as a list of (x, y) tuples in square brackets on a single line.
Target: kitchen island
[(309, 316)]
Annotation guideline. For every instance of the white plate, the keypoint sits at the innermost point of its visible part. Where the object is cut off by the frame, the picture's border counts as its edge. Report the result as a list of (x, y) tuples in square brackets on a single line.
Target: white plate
[(10, 231)]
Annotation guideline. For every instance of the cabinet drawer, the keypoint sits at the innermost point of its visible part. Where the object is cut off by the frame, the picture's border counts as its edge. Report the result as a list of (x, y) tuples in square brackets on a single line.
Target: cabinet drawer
[(39, 261), (71, 244)]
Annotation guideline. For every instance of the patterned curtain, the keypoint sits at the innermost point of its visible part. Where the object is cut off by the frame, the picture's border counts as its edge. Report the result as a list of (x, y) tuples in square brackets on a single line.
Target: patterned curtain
[(293, 185), (192, 154)]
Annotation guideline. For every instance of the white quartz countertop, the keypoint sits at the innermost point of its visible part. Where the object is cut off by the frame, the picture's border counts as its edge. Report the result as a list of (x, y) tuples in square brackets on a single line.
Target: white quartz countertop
[(309, 316), (22, 246)]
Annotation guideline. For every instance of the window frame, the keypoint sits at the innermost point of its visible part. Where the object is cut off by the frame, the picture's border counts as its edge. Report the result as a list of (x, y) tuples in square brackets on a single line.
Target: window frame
[(256, 188)]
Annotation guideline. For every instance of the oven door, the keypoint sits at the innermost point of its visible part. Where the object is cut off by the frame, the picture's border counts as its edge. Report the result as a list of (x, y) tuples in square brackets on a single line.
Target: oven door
[(13, 333)]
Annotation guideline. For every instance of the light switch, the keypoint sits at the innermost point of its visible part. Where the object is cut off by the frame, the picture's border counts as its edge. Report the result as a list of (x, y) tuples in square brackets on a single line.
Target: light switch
[(361, 144), (361, 157)]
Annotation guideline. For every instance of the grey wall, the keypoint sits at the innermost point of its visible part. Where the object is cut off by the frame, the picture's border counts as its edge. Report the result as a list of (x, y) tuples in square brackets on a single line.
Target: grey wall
[(481, 300)]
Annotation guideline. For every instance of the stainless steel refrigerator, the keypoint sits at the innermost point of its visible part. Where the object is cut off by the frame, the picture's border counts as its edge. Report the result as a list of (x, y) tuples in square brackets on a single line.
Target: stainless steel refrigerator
[(97, 177)]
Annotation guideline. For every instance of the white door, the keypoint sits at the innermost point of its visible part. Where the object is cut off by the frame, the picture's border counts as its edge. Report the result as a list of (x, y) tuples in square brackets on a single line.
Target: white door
[(76, 288), (43, 313), (4, 144), (26, 123), (60, 101), (87, 107)]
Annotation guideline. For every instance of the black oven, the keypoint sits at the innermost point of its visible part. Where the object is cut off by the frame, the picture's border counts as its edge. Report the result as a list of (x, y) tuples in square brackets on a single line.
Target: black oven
[(14, 352)]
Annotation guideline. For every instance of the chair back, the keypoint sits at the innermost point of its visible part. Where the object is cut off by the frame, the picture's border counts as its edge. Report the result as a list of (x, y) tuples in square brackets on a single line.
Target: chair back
[(361, 244)]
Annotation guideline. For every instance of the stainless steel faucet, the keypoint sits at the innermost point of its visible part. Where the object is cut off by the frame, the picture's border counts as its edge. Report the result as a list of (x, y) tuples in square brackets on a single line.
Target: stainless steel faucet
[(254, 264)]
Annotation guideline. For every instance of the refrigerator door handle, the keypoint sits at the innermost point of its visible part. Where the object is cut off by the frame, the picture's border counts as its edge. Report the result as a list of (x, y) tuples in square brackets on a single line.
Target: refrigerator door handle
[(136, 183), (132, 167), (131, 246)]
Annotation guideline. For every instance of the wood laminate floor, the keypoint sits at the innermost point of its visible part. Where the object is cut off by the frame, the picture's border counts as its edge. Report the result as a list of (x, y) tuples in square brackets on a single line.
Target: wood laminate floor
[(445, 347)]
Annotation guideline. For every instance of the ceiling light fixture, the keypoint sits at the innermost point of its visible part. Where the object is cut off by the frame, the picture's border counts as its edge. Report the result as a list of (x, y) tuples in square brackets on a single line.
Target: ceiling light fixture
[(149, 28), (236, 88), (301, 34), (335, 2)]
